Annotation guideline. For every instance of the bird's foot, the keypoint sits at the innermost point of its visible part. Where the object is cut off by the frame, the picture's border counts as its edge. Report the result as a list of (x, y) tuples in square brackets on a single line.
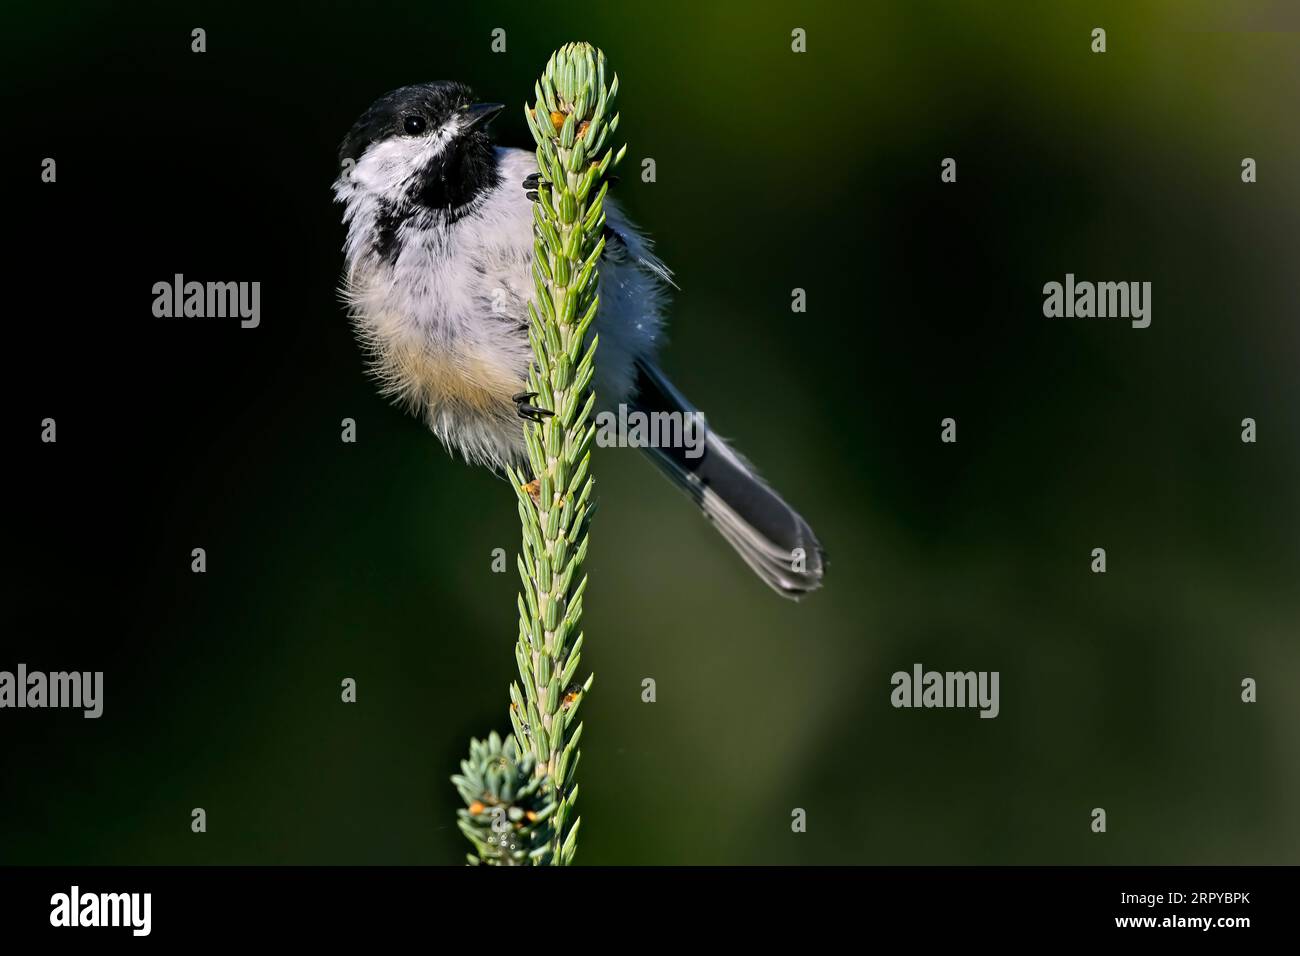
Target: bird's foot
[(528, 411), (531, 185)]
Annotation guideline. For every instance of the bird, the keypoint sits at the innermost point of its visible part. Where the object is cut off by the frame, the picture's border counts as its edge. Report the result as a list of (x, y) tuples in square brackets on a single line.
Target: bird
[(436, 282)]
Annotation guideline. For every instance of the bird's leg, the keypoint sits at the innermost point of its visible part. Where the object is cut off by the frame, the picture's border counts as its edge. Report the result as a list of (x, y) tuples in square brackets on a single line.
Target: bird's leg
[(533, 181), (531, 413), (531, 184), (528, 411)]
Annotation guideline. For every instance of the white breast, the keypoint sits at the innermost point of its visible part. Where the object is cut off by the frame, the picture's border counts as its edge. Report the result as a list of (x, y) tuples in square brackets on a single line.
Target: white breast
[(445, 324)]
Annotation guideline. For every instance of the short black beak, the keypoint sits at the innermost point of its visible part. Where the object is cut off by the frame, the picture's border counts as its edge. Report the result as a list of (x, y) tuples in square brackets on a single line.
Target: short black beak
[(480, 114)]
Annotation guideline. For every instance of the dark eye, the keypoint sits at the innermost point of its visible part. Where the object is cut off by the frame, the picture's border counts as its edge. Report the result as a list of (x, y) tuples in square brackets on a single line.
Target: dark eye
[(414, 125)]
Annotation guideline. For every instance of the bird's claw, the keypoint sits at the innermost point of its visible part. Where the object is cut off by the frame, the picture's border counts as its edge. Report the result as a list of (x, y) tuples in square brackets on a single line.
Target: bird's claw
[(528, 411), (531, 184)]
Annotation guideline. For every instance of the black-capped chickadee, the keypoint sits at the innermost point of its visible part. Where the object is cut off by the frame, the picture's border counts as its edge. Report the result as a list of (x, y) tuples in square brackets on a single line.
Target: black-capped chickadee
[(439, 250)]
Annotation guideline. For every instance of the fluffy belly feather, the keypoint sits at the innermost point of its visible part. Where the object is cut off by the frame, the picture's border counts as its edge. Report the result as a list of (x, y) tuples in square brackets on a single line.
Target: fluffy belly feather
[(462, 392)]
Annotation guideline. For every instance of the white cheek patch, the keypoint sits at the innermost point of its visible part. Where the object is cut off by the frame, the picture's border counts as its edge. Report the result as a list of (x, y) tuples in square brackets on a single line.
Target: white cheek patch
[(382, 178), (386, 168)]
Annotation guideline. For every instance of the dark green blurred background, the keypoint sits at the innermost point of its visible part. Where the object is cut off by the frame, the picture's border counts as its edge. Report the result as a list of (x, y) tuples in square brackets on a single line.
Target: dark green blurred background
[(775, 171)]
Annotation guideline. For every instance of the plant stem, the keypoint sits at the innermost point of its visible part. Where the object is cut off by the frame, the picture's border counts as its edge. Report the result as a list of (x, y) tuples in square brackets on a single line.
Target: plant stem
[(570, 119)]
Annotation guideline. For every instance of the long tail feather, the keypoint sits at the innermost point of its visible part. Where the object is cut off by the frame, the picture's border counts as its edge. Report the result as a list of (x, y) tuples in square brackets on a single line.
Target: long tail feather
[(772, 538)]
